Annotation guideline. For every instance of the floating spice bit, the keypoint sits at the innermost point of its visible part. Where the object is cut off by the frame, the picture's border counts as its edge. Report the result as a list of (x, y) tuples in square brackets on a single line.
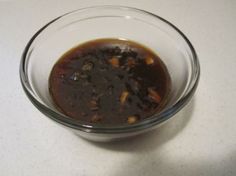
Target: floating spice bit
[(149, 60), (117, 50), (87, 66), (154, 95), (132, 119), (96, 118), (130, 62), (114, 61), (124, 96), (93, 105)]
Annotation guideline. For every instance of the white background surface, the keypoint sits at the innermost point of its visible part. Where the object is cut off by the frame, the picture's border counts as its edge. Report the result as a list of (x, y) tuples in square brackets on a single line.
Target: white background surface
[(201, 140)]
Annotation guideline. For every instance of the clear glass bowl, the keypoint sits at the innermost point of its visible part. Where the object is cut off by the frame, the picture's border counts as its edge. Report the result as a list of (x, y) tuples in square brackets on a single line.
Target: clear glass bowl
[(71, 29)]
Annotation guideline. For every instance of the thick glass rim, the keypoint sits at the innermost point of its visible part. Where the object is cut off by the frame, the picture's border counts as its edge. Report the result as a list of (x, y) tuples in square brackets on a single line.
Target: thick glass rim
[(96, 128)]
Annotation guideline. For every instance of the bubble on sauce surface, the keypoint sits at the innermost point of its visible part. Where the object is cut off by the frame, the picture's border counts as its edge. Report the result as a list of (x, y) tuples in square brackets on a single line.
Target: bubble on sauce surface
[(75, 76)]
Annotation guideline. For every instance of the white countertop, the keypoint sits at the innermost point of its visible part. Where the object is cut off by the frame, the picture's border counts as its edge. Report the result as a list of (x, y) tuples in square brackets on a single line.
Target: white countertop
[(201, 140)]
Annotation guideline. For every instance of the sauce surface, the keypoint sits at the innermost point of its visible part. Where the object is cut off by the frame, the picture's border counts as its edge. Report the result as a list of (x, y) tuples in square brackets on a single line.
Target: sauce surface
[(109, 81)]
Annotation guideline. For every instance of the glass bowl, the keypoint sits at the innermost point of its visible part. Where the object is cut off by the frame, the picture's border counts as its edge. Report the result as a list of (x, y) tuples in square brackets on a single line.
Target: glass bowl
[(71, 29)]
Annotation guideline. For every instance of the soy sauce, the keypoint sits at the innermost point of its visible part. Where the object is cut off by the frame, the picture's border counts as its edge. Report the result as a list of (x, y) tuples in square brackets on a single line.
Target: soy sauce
[(110, 82)]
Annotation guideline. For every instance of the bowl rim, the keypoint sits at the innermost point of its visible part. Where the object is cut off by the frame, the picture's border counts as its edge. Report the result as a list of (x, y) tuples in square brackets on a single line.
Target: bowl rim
[(95, 128)]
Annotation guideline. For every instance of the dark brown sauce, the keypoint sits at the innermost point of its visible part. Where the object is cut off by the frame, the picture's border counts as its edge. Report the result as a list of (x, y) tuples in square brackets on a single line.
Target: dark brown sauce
[(109, 81)]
